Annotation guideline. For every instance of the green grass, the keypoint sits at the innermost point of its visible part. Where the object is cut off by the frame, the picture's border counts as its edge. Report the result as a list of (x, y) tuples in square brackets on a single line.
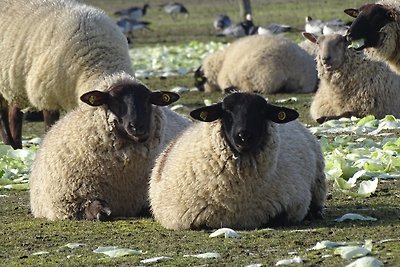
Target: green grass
[(21, 235)]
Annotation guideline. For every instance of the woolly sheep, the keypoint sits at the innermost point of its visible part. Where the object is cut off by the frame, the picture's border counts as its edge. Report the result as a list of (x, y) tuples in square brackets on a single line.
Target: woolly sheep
[(271, 64), (350, 83), (53, 51), (242, 169), (95, 163), (376, 29)]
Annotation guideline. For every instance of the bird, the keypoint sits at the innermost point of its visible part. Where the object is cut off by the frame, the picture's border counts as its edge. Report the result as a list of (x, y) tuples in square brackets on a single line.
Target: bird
[(128, 26), (133, 12), (222, 22), (274, 28), (314, 26), (175, 8), (335, 26), (240, 29)]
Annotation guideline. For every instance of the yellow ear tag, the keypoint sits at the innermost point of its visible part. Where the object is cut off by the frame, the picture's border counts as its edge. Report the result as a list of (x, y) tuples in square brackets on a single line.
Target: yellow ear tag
[(281, 115), (92, 99), (203, 115), (166, 98)]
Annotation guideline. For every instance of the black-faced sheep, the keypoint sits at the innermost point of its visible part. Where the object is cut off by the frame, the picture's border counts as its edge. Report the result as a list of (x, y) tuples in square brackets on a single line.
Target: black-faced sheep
[(95, 162), (351, 84), (244, 166), (376, 29), (271, 64), (52, 51)]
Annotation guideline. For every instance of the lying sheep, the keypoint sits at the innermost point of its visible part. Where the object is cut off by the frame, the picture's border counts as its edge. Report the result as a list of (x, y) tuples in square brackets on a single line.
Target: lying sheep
[(246, 167), (52, 51), (94, 163), (377, 30), (271, 64), (350, 83)]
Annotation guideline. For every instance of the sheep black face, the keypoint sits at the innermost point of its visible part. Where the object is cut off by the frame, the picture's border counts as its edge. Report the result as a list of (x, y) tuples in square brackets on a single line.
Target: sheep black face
[(132, 105), (366, 28), (244, 118), (199, 79)]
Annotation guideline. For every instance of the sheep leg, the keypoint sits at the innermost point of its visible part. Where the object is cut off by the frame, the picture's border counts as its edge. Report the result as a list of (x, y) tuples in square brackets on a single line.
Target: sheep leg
[(50, 117), (97, 210), (5, 129), (15, 117), (346, 114)]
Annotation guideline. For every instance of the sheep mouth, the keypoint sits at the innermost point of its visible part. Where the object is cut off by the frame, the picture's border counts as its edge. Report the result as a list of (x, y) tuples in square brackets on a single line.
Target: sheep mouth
[(358, 44)]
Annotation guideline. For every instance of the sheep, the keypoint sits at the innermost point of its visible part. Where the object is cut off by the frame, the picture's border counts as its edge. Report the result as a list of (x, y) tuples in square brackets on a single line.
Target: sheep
[(376, 29), (52, 52), (350, 83), (244, 166), (271, 64), (95, 163)]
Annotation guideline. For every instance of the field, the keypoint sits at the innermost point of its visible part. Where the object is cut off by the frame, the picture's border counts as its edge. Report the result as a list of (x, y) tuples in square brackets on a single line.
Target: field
[(25, 241)]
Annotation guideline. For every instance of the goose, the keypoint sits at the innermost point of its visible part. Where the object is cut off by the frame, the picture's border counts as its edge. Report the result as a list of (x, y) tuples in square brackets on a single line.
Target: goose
[(222, 22), (175, 8), (133, 12)]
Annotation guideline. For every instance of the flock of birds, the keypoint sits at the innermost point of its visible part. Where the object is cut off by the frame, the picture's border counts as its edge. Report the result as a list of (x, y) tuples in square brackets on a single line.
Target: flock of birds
[(129, 18), (129, 21)]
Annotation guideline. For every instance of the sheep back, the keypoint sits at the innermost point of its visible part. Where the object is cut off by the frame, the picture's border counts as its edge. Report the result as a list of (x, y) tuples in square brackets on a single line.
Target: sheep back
[(50, 48), (197, 182), (267, 64)]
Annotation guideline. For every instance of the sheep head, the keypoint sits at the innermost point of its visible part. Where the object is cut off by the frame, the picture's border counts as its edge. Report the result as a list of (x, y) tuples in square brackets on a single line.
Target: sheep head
[(244, 118), (199, 78), (331, 49), (132, 105), (366, 29)]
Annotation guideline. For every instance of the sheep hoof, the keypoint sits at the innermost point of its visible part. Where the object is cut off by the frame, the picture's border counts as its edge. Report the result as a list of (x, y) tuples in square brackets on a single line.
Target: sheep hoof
[(315, 213), (97, 210), (322, 119)]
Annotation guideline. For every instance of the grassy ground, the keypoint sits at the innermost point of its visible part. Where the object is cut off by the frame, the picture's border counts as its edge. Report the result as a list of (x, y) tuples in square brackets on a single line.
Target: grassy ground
[(21, 235)]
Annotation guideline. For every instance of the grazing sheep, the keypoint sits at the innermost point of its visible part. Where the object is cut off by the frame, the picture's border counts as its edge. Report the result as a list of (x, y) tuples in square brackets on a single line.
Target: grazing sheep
[(246, 167), (376, 29), (95, 163), (350, 83), (52, 51), (270, 64)]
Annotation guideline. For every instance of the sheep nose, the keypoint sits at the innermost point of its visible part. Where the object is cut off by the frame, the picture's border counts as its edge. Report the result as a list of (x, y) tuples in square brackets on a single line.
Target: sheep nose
[(244, 137), (326, 59)]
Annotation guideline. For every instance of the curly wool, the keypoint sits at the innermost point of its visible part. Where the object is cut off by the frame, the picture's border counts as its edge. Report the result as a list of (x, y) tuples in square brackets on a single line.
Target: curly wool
[(198, 182), (53, 52), (266, 64), (360, 87)]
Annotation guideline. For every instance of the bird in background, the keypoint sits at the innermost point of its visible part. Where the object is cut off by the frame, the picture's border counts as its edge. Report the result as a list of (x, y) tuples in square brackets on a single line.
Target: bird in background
[(174, 9), (222, 21), (133, 12)]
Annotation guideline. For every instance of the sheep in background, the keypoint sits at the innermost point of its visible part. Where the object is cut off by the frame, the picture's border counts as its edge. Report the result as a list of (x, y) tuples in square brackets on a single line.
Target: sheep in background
[(95, 163), (271, 64), (245, 166), (376, 29), (52, 52), (350, 83)]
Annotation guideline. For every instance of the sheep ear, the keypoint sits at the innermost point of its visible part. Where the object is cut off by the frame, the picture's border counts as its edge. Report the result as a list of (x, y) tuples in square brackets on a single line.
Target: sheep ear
[(95, 98), (281, 114), (163, 98), (207, 114), (352, 12), (309, 36)]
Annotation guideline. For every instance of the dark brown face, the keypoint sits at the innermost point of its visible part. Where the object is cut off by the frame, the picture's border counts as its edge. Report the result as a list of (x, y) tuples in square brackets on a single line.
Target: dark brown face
[(370, 19)]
